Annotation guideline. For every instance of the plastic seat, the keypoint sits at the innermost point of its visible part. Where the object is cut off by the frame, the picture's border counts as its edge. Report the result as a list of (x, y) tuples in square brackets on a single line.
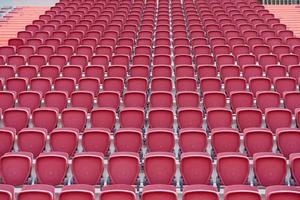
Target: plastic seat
[(7, 100), (161, 99), (21, 115), (87, 168), (100, 60), (291, 100), (183, 60), (294, 166), (77, 191), (113, 84), (83, 99), (32, 140), (27, 71), (89, 84), (269, 168), (141, 60), (243, 115), (51, 168), (225, 140), (72, 71), (37, 191), (257, 84), (17, 84), (137, 84), (224, 59), (183, 99), (192, 140), (107, 117), (184, 71), (186, 84), (65, 84), (161, 84), (160, 140), (7, 71), (218, 118), (282, 192), (155, 167), (234, 84), (121, 163), (262, 49), (74, 118), (17, 167), (240, 99), (128, 140), (267, 59), (96, 71), (161, 118), (119, 71), (45, 50), (214, 99), (37, 60), (278, 118), (56, 99), (132, 118), (232, 168), (64, 140), (229, 71), (120, 191), (250, 71), (167, 192), (7, 136), (258, 140), (294, 71), (59, 60), (16, 60), (190, 118), (161, 71), (210, 84), (41, 85), (199, 191), (45, 117), (110, 99), (50, 71), (204, 60), (196, 168), (6, 51), (267, 99), (96, 140), (284, 84), (235, 192), (7, 192), (289, 59), (246, 59), (26, 50), (287, 139), (275, 71)]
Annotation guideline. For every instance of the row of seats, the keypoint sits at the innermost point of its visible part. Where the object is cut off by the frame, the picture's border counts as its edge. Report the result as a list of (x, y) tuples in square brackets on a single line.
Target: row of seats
[(68, 140), (109, 192), (159, 168)]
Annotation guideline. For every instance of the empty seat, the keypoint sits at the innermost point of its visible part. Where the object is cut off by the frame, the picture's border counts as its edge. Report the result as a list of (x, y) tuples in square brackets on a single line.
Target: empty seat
[(37, 191), (283, 84), (234, 84), (17, 84), (137, 84), (199, 191), (109, 99), (107, 117), (184, 99), (287, 140), (258, 140), (83, 99), (232, 168), (30, 99), (159, 167), (218, 118), (64, 140), (32, 140), (167, 192), (225, 140), (74, 118), (17, 167), (267, 99), (291, 100), (192, 140), (160, 140), (45, 117), (128, 140), (123, 168), (248, 117), (77, 191), (17, 118), (87, 168), (7, 100), (96, 140), (235, 192), (56, 99), (161, 84), (132, 118), (190, 118), (259, 84), (119, 191), (66, 84), (240, 99), (161, 118), (7, 136), (252, 71), (113, 84), (294, 166), (269, 168), (282, 192), (196, 168), (278, 118)]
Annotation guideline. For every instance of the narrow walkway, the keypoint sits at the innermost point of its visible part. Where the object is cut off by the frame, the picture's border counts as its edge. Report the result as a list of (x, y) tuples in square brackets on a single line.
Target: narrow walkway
[(16, 20), (288, 15)]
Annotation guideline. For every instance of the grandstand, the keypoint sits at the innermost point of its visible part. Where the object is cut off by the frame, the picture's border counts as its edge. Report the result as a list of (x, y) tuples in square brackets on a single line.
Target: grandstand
[(149, 100)]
